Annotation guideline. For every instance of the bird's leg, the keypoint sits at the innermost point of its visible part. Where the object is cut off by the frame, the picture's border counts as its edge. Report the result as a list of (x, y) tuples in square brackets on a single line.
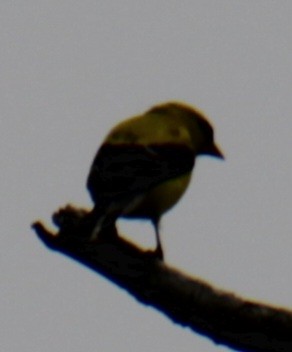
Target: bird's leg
[(158, 250)]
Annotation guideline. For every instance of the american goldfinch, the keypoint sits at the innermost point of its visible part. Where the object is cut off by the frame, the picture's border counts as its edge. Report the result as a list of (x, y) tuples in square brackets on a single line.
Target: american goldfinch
[(144, 165)]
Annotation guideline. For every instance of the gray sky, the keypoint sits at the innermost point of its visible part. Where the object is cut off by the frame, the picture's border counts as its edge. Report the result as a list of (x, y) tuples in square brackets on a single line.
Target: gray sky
[(69, 71)]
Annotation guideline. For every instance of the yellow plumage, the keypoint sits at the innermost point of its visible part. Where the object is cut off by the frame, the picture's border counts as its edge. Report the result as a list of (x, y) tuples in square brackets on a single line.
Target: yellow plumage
[(144, 164)]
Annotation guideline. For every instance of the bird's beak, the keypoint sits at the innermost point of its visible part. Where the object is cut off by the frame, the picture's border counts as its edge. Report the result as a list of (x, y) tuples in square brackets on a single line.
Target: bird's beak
[(213, 150)]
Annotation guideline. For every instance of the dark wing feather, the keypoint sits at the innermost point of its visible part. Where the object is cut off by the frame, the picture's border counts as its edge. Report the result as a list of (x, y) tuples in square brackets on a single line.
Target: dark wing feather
[(121, 172)]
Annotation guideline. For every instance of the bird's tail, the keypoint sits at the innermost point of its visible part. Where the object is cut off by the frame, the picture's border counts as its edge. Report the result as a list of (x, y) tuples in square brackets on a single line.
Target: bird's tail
[(102, 219)]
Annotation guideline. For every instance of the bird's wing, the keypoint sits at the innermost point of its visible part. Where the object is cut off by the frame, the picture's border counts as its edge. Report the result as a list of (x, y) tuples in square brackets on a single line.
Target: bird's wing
[(121, 172)]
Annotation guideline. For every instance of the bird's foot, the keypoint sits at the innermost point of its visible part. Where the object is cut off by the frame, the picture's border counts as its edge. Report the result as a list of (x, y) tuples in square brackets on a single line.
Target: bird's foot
[(158, 253)]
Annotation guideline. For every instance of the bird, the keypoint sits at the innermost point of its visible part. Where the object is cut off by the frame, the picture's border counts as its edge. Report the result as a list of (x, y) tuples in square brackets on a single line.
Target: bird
[(144, 165)]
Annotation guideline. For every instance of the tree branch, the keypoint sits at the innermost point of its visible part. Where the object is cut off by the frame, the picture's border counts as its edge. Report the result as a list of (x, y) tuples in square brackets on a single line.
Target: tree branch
[(223, 317)]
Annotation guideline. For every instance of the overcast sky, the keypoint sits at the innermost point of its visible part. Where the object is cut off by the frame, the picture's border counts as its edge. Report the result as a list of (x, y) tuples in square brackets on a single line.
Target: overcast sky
[(69, 71)]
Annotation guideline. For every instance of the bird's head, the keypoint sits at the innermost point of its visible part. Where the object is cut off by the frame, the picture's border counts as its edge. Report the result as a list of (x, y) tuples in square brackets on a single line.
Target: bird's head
[(201, 131)]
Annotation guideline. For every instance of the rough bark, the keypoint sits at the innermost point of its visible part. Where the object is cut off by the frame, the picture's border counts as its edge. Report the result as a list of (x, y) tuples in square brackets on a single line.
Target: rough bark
[(222, 316)]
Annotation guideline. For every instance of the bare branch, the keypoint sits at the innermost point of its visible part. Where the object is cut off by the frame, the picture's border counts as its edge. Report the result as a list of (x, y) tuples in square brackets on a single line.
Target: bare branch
[(223, 317)]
